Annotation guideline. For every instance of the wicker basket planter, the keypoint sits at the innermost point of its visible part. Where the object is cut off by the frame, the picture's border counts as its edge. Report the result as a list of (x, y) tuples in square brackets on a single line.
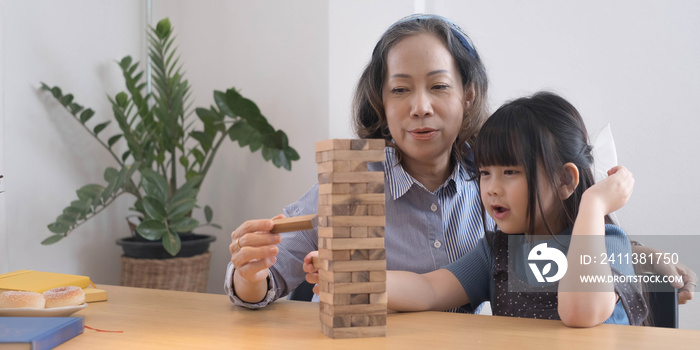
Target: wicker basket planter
[(184, 274), (146, 264)]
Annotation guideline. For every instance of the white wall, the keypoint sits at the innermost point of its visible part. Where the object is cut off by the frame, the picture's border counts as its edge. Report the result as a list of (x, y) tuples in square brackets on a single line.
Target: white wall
[(629, 63), (4, 260), (261, 48), (276, 54), (47, 156)]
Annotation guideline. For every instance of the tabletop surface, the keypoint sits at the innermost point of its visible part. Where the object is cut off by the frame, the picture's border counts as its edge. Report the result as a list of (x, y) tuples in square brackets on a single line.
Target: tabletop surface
[(137, 318)]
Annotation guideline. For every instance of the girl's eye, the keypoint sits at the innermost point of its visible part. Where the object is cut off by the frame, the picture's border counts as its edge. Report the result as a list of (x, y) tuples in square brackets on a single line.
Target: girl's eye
[(483, 173), (510, 172)]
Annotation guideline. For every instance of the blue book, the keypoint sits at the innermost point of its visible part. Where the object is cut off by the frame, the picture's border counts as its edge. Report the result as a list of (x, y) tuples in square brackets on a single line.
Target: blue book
[(38, 333)]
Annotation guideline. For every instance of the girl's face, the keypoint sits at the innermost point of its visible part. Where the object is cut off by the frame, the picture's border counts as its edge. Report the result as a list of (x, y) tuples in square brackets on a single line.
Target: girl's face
[(423, 99), (504, 193)]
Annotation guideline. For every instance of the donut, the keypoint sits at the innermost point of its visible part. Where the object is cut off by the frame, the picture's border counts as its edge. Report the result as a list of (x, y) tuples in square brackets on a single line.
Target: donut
[(20, 299), (64, 296)]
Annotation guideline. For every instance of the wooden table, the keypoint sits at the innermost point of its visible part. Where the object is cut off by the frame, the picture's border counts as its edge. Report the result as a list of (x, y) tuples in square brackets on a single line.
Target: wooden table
[(157, 319)]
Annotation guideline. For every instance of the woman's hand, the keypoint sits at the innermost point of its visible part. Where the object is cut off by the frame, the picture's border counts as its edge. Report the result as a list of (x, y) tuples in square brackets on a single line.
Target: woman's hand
[(253, 250), (311, 270)]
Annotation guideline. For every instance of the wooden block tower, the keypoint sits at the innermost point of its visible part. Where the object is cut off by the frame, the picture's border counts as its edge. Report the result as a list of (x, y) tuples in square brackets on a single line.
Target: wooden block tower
[(352, 259)]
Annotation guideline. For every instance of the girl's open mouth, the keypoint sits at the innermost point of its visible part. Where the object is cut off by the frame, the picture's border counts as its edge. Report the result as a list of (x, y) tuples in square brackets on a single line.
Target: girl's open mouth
[(499, 212)]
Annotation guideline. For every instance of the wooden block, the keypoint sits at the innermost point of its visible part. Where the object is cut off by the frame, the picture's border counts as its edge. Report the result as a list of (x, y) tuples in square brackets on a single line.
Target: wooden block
[(366, 156), (334, 188), (337, 220), (358, 288), (378, 299), (363, 276), (338, 209), (375, 187), (377, 320), (351, 177), (339, 321), (373, 254), (358, 209), (352, 199), (359, 299), (359, 320), (366, 144), (328, 254), (359, 232), (358, 254), (334, 232), (338, 165), (358, 165), (343, 210), (352, 243), (375, 209), (355, 265), (354, 332), (332, 144), (374, 276), (294, 223), (358, 188), (338, 277), (358, 309), (375, 231), (334, 299)]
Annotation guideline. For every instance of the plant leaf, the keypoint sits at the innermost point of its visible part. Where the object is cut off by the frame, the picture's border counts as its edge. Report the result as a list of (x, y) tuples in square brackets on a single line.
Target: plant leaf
[(184, 225), (66, 100), (112, 140), (181, 208), (90, 192), (57, 227), (208, 213), (152, 229), (171, 243), (100, 127), (155, 185), (122, 99), (155, 209), (51, 239), (204, 139), (86, 115)]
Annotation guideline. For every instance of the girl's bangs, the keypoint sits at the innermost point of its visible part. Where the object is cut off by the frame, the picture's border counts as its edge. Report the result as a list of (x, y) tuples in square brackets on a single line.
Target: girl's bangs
[(498, 143)]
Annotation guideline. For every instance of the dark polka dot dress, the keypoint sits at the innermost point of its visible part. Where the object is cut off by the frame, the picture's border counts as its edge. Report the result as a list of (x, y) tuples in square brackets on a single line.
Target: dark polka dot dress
[(541, 302)]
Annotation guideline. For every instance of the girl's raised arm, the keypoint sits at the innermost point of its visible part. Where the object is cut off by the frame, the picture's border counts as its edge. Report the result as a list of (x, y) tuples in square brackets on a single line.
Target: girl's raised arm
[(589, 304)]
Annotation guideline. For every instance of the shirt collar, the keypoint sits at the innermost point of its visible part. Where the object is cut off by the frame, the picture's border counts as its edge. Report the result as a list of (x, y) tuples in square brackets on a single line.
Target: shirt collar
[(400, 181)]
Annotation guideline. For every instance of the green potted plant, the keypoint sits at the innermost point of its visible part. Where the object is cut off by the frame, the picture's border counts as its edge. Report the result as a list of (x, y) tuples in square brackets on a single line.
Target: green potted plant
[(169, 151)]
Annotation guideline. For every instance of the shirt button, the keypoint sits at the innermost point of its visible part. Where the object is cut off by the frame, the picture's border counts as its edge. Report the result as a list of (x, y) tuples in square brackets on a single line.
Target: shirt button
[(437, 244), (433, 207)]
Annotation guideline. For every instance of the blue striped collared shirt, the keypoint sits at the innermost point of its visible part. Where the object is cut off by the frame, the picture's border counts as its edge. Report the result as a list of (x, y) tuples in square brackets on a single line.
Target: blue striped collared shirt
[(424, 230)]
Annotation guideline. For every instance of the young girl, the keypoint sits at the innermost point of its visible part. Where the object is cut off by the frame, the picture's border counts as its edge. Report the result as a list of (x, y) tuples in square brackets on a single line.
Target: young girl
[(535, 179)]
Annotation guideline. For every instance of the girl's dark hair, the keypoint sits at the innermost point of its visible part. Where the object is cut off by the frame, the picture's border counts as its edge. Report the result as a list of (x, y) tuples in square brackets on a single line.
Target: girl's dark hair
[(544, 129), (368, 108)]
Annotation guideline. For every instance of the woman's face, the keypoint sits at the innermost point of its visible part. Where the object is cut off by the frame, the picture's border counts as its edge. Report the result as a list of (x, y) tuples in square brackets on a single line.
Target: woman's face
[(423, 99)]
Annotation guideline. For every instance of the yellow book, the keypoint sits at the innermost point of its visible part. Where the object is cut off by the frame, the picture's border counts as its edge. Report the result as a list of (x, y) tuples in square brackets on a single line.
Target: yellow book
[(38, 281)]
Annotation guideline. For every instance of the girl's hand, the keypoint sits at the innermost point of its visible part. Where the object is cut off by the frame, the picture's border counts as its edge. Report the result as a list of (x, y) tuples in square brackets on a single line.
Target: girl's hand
[(311, 270), (612, 192)]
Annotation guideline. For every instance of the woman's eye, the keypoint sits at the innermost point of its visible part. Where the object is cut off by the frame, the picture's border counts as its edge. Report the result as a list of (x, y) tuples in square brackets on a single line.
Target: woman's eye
[(441, 87), (398, 90)]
